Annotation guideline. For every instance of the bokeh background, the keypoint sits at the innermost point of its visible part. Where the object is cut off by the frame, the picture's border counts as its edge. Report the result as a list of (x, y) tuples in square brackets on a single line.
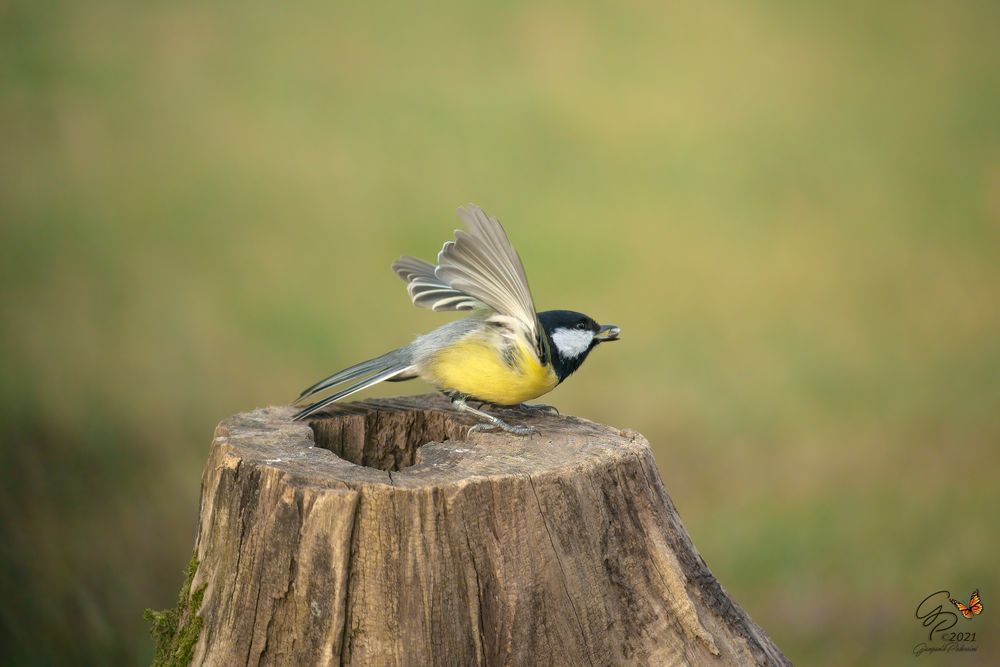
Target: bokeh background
[(792, 210)]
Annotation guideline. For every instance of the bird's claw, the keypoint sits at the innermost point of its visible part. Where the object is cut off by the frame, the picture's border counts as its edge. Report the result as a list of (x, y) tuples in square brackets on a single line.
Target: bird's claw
[(539, 407), (517, 429)]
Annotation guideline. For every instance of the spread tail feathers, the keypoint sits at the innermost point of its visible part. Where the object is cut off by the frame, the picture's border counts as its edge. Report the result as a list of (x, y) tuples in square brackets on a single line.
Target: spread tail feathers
[(389, 366)]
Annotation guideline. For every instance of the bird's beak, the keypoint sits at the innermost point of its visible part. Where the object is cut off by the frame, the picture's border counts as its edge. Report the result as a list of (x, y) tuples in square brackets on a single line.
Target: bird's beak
[(607, 332)]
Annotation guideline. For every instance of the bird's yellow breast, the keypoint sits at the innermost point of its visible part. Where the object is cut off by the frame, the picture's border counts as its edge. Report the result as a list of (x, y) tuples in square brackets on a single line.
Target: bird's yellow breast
[(475, 366)]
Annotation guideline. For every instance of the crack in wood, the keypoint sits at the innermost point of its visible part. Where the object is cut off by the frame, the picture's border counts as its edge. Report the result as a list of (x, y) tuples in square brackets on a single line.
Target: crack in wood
[(253, 625), (555, 552), (479, 598), (352, 541)]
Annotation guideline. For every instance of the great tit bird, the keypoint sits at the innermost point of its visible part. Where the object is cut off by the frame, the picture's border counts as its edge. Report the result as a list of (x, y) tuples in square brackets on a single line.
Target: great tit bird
[(504, 353)]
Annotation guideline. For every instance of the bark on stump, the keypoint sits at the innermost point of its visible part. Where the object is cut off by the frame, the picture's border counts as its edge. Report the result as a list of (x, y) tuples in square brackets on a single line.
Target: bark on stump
[(380, 534)]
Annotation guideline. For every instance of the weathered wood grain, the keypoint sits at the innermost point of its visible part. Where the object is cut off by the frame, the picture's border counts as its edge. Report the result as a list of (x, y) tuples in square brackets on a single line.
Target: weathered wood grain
[(381, 535)]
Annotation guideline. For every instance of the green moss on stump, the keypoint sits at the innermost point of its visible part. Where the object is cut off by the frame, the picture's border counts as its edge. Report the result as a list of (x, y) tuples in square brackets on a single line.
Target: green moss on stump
[(176, 631)]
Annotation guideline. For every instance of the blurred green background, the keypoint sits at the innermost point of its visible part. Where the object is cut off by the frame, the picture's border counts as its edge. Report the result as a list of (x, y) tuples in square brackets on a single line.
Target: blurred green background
[(792, 210)]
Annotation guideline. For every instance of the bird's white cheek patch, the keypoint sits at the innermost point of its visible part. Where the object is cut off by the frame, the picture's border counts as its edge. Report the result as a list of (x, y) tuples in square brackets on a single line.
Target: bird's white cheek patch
[(572, 342)]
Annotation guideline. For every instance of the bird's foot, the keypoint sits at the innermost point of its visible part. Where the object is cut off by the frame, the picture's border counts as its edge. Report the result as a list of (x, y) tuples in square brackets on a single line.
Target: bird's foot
[(539, 407), (492, 423)]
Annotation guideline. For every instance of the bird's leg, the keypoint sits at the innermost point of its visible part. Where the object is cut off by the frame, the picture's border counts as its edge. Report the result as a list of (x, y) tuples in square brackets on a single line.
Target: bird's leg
[(492, 422), (539, 407)]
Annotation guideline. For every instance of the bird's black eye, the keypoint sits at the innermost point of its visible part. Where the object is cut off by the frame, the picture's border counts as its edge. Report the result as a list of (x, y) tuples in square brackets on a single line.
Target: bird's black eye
[(582, 325)]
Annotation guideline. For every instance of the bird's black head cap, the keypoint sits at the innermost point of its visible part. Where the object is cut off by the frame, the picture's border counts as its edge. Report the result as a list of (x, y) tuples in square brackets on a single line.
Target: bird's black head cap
[(572, 336)]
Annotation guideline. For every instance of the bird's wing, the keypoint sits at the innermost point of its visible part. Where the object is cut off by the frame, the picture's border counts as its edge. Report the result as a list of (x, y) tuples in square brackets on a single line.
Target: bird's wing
[(482, 264), (427, 290), (479, 269)]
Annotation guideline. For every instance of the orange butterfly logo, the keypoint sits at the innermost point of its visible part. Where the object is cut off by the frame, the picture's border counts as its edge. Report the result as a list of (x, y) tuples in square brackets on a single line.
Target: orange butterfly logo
[(974, 608)]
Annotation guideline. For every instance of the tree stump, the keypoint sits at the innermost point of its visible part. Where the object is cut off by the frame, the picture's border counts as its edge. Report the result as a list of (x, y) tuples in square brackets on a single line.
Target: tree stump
[(381, 534)]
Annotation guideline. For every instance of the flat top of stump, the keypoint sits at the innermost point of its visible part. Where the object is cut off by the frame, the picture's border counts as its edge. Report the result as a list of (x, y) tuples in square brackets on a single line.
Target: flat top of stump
[(417, 441)]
